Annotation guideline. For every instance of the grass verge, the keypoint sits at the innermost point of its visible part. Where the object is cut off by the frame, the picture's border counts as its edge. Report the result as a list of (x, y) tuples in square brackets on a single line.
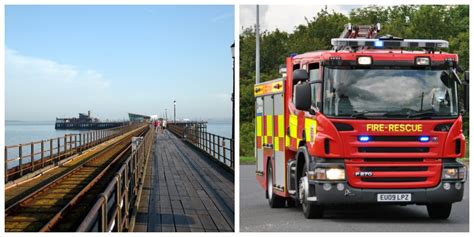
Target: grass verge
[(247, 160)]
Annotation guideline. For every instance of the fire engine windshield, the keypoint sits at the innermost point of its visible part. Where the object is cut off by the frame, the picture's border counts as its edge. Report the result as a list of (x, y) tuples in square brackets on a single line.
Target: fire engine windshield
[(389, 92)]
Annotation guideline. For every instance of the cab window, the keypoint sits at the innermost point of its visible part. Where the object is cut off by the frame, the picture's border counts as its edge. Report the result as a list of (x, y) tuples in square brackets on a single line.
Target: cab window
[(315, 87), (296, 66)]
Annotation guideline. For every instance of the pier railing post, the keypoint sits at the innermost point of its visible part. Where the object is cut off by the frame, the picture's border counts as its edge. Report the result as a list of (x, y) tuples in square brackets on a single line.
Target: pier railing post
[(104, 221), (42, 153), (51, 151), (118, 194), (20, 161), (6, 164), (32, 156), (214, 145), (206, 142), (232, 154), (65, 144), (59, 150), (75, 143), (126, 201), (88, 140)]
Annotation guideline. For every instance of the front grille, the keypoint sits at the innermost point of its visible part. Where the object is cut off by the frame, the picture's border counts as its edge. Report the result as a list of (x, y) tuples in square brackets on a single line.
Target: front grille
[(392, 180), (386, 173), (394, 138), (393, 149), (394, 168), (393, 160)]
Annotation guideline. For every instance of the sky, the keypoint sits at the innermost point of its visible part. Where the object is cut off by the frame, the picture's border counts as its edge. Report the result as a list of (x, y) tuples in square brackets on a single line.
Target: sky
[(62, 60), (285, 17)]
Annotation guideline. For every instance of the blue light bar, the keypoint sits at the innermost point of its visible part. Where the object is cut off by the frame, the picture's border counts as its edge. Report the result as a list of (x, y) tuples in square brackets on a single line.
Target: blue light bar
[(378, 44), (364, 138), (424, 139)]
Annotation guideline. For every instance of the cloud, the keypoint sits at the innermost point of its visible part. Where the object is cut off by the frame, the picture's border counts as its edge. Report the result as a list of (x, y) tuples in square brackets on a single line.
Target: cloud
[(222, 17), (285, 17), (37, 88), (21, 67)]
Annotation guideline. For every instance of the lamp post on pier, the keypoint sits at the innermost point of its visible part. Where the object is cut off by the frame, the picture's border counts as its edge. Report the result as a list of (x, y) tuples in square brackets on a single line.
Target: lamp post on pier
[(232, 47), (174, 111)]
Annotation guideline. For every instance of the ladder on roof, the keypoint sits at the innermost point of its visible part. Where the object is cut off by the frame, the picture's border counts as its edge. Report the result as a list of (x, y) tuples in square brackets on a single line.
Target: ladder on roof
[(358, 32), (355, 38), (362, 31)]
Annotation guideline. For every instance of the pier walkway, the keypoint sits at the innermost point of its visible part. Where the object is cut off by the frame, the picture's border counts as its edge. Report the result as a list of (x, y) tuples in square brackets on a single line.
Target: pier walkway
[(184, 190), (125, 179)]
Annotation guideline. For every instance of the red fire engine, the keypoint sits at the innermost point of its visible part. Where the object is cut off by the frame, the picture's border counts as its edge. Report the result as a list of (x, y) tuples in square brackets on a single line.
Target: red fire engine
[(371, 121)]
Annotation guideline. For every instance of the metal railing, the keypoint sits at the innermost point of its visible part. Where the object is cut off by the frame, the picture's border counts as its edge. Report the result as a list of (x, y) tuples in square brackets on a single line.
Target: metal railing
[(112, 211), (218, 147), (26, 158)]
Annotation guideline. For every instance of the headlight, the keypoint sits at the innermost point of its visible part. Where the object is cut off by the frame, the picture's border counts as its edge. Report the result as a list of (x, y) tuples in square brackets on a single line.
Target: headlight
[(335, 174), (422, 61), (364, 60), (330, 174), (450, 173), (454, 173)]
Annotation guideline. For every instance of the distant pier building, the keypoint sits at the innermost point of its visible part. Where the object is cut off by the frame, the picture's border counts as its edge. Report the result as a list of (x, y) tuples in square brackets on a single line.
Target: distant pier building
[(138, 117), (85, 121)]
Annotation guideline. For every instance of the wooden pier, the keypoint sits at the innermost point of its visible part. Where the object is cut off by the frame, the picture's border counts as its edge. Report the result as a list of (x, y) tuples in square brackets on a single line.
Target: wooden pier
[(131, 178)]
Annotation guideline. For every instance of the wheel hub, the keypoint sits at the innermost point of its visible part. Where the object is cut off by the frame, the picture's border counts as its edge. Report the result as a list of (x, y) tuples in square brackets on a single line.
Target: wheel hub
[(301, 190), (270, 185)]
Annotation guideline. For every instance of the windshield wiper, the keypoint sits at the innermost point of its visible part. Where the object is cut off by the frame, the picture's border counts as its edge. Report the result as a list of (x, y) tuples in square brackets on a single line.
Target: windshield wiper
[(358, 114), (362, 114), (422, 114)]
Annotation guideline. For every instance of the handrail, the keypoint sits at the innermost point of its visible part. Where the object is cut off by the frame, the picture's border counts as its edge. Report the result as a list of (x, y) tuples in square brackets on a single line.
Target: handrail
[(218, 147), (22, 159), (112, 210)]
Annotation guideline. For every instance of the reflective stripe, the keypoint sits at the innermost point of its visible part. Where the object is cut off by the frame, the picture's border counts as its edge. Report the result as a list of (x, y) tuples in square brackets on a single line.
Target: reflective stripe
[(310, 129), (259, 125), (269, 125), (293, 126), (277, 144), (281, 126)]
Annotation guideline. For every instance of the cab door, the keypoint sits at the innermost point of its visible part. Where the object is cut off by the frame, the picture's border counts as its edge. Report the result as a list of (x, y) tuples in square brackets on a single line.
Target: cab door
[(268, 151), (259, 135)]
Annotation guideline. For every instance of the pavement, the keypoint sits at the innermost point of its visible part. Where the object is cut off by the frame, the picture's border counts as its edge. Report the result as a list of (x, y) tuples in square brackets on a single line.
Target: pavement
[(257, 216)]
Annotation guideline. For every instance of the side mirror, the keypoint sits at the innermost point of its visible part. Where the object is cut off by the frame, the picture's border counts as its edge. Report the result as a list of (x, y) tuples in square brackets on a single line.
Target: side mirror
[(303, 96), (300, 75), (466, 91)]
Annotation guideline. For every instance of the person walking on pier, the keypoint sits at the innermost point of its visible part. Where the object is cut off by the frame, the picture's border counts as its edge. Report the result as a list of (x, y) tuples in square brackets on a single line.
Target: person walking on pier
[(164, 124), (159, 125)]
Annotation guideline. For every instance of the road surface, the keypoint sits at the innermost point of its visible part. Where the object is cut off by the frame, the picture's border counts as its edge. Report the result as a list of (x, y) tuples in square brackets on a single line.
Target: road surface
[(256, 215)]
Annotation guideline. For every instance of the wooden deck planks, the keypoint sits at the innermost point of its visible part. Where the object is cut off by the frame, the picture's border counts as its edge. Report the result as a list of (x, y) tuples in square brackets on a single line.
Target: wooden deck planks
[(184, 191)]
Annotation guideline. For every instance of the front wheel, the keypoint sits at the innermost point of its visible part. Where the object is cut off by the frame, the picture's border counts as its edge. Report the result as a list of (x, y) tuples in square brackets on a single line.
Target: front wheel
[(310, 210), (274, 200), (439, 210)]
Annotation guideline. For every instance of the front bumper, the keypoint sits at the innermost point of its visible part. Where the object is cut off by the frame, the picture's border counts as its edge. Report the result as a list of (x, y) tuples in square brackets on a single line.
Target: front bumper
[(349, 195)]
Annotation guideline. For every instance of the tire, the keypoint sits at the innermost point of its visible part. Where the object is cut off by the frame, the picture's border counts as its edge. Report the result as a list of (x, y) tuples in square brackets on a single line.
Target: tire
[(439, 211), (310, 210), (274, 200)]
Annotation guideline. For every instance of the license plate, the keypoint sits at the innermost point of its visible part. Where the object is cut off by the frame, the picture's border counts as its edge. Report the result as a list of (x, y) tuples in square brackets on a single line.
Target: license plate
[(394, 197)]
